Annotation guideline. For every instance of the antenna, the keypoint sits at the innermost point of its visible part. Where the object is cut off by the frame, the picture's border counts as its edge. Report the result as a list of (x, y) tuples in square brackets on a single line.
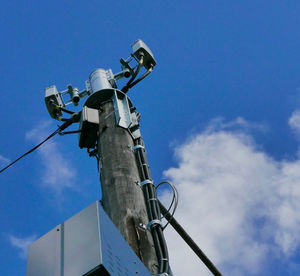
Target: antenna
[(100, 79)]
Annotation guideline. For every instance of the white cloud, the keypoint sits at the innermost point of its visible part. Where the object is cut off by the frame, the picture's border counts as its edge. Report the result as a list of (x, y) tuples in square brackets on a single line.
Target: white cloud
[(294, 121), (58, 172), (237, 124), (22, 244), (4, 160), (240, 205)]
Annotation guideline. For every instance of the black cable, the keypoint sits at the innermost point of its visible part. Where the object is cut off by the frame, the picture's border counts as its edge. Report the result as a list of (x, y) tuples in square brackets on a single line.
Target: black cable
[(139, 79), (50, 136), (70, 132), (186, 237), (158, 251), (153, 209), (126, 87), (135, 73), (147, 175), (174, 199), (66, 110), (61, 108), (62, 127)]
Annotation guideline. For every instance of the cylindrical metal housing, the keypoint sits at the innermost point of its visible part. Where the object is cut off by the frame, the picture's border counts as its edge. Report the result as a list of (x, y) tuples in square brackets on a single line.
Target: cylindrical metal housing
[(98, 80), (75, 96)]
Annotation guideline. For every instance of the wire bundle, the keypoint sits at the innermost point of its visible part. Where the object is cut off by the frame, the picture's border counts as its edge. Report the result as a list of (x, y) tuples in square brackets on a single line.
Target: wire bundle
[(131, 82), (153, 209)]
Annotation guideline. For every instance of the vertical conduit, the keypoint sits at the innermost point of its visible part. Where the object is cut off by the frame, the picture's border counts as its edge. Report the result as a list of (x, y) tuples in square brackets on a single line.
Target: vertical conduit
[(152, 207)]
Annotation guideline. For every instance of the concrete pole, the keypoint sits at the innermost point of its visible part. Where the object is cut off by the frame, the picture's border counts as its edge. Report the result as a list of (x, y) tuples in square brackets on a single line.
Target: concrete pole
[(122, 197)]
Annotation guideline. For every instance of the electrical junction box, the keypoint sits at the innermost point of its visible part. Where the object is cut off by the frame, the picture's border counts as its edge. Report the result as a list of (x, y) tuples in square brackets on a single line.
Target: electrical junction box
[(87, 244), (89, 124)]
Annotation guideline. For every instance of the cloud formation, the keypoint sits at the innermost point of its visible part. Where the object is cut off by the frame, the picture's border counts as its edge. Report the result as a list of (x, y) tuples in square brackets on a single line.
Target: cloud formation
[(3, 160), (22, 244), (58, 172), (240, 205), (294, 121)]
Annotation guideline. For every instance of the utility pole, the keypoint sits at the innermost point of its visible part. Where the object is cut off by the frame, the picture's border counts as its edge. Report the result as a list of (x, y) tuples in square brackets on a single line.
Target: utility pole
[(89, 243), (109, 129), (122, 196)]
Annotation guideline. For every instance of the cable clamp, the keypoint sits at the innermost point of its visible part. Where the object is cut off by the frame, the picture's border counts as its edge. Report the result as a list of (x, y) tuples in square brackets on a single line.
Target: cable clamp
[(137, 147), (145, 182), (153, 223), (152, 199)]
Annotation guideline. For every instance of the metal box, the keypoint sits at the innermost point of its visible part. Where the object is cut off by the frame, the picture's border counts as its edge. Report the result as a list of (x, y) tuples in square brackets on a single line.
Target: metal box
[(89, 124), (140, 46), (87, 244), (53, 99)]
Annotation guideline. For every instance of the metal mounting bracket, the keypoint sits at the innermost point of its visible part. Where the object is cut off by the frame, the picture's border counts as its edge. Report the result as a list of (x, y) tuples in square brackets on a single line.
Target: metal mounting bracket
[(153, 223), (145, 182), (135, 126), (137, 147), (122, 110)]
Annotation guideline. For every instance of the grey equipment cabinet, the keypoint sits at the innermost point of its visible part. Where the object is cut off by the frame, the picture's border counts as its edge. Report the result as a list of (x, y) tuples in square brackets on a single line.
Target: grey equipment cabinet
[(87, 244)]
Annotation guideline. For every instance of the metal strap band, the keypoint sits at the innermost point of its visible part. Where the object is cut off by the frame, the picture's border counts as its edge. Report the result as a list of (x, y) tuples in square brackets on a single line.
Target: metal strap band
[(145, 182), (153, 223), (152, 199), (137, 147)]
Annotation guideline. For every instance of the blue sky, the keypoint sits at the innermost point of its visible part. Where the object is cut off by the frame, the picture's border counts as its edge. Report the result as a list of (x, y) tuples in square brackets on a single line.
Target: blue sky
[(220, 118)]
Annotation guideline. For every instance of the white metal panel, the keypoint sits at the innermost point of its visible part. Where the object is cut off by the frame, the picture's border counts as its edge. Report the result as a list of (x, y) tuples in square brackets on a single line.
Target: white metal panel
[(86, 242), (81, 242), (90, 115), (44, 255)]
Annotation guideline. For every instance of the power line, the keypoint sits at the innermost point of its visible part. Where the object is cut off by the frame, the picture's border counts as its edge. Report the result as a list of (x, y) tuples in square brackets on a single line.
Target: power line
[(62, 127)]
